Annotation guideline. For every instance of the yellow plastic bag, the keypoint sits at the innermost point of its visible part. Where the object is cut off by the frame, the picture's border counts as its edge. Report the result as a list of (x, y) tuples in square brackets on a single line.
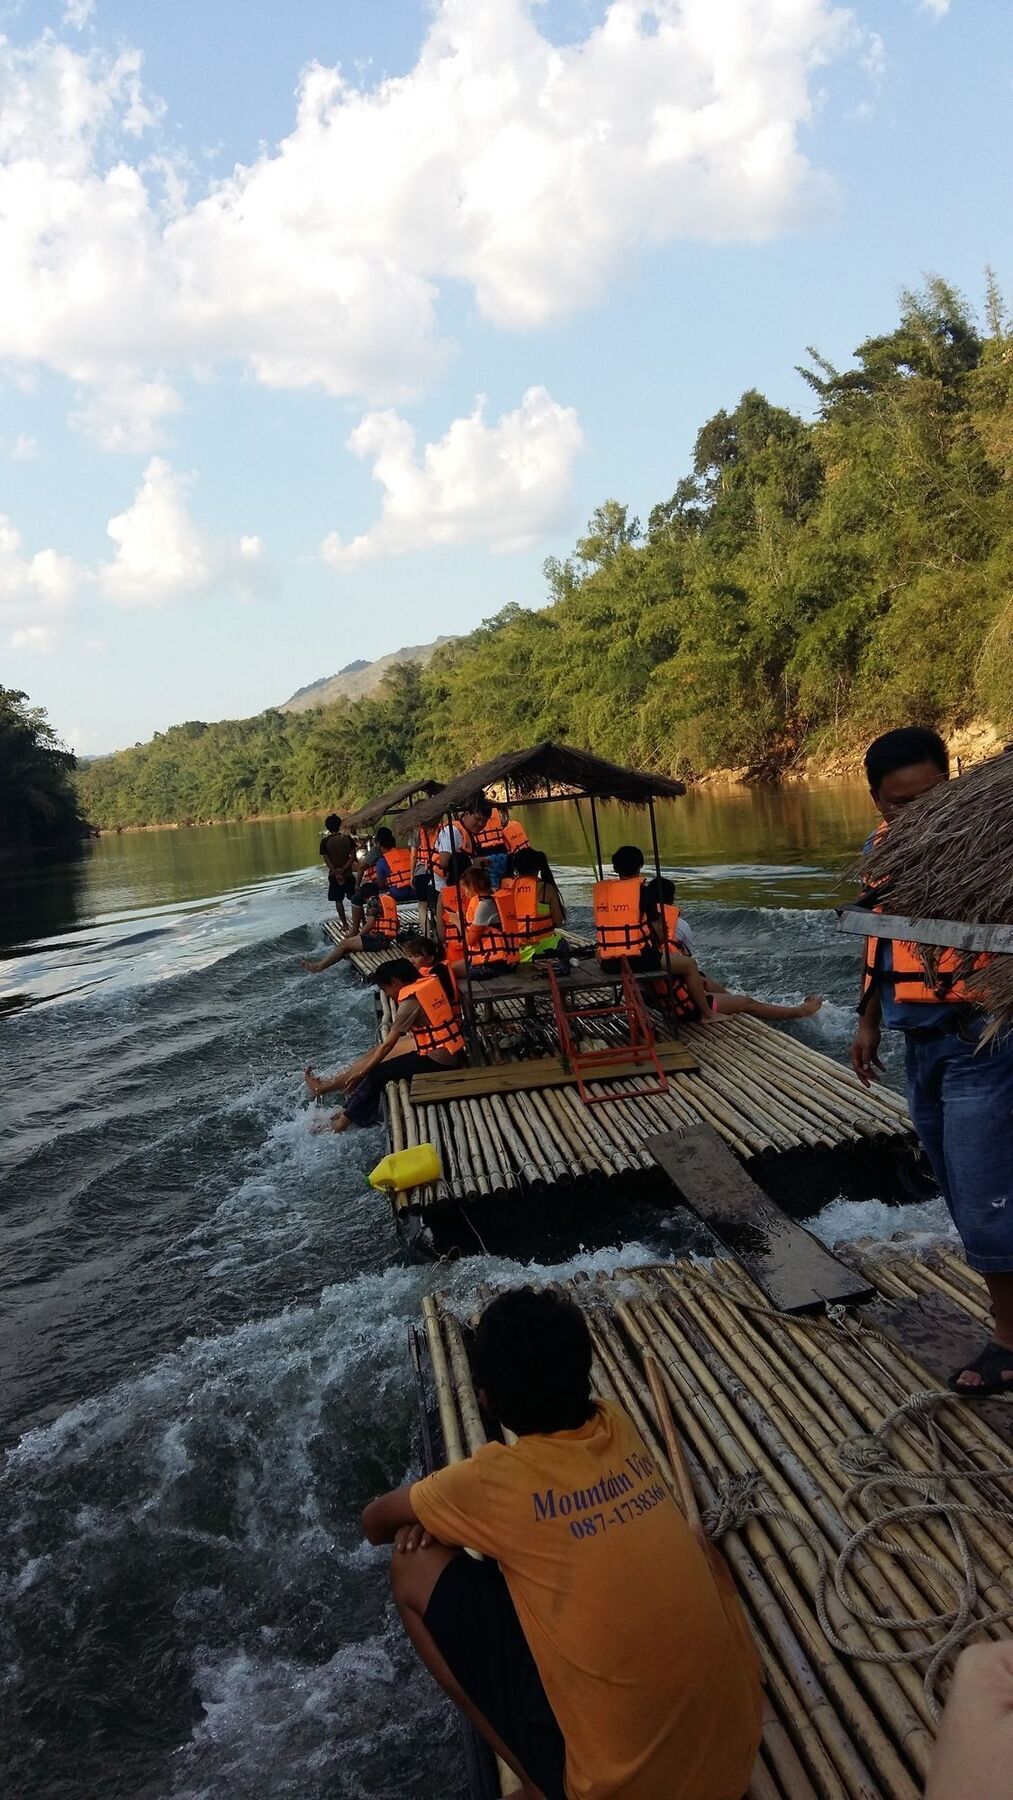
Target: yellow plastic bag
[(407, 1168)]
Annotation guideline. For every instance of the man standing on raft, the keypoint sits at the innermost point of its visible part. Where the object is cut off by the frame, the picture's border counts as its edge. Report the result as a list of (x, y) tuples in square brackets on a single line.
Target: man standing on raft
[(959, 1091)]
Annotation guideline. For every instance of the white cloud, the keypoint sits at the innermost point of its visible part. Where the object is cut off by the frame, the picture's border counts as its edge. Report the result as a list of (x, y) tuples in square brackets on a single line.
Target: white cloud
[(163, 555), (531, 172), (77, 13), (42, 638), (504, 484), (936, 7), (125, 413), (25, 449), (36, 591)]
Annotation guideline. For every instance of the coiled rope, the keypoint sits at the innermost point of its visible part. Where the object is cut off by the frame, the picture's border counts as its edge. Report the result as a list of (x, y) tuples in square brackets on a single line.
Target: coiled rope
[(869, 1458)]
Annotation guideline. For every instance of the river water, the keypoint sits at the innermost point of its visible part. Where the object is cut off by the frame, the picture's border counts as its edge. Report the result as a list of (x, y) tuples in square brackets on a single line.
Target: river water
[(202, 1343)]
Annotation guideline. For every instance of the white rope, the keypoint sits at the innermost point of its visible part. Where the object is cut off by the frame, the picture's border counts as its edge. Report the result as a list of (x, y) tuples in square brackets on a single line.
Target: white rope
[(868, 1456)]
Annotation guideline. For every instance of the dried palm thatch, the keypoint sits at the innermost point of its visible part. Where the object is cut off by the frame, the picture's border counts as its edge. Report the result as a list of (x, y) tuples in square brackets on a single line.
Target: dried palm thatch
[(951, 857), (543, 771), (404, 795)]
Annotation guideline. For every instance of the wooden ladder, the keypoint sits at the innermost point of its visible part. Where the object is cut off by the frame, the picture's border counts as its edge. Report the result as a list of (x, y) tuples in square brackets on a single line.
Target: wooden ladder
[(637, 1056)]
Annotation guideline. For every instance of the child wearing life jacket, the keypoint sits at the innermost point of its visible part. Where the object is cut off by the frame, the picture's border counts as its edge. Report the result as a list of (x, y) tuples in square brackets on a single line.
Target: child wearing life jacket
[(537, 904), (449, 905), (639, 919), (490, 926), (425, 1036)]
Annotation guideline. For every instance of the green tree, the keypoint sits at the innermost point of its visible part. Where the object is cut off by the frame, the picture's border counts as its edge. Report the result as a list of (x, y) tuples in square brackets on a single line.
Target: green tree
[(38, 806)]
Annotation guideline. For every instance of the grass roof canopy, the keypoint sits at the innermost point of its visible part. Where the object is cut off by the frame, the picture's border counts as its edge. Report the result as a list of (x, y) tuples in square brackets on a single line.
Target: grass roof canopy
[(374, 810), (950, 856), (545, 771)]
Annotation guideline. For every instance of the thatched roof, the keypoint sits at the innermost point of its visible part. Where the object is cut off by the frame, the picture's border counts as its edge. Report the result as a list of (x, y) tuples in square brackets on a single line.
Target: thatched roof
[(374, 810), (950, 856), (525, 775)]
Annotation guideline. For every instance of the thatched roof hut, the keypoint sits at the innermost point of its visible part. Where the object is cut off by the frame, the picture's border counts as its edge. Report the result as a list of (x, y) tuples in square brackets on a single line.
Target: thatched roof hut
[(950, 857), (401, 796), (545, 771)]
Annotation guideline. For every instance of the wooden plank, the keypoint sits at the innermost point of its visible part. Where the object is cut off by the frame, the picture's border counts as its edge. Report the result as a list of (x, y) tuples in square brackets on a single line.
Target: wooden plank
[(795, 1271), (943, 1337), (951, 934), (540, 1072)]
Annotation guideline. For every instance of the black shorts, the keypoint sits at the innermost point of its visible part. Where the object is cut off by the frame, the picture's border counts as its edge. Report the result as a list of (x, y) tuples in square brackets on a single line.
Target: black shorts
[(373, 940), (340, 888), (471, 1619), (424, 889)]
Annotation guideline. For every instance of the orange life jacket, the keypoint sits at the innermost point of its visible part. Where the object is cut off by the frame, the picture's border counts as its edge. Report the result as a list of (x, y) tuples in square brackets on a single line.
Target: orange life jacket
[(493, 943), (908, 976), (425, 851), (515, 837), (453, 942), (399, 862), (490, 839), (533, 927), (619, 923), (383, 916), (670, 916), (442, 1027)]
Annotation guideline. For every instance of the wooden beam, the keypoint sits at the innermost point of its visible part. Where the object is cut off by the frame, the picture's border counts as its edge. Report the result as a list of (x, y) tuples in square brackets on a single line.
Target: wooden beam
[(950, 934), (794, 1270), (540, 1072)]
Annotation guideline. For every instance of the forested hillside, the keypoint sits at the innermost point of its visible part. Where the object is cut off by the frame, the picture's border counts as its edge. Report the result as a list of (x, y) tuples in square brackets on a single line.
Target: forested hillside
[(808, 583)]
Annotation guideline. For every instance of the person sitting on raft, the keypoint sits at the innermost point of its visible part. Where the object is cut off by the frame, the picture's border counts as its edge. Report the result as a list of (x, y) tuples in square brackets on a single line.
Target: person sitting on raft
[(643, 914), (448, 921), (480, 833), (490, 926), (425, 1036), (540, 912), (601, 1650), (381, 929), (385, 869)]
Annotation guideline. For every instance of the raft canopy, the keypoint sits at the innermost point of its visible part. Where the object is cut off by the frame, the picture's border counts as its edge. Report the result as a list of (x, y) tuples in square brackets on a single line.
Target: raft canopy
[(545, 772), (406, 793)]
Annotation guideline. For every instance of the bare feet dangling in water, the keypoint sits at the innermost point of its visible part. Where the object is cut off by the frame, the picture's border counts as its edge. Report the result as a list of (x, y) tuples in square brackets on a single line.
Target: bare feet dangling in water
[(313, 1082)]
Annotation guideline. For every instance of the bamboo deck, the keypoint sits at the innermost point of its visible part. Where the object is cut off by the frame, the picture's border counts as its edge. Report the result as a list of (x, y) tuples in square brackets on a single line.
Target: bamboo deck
[(762, 1090), (752, 1390)]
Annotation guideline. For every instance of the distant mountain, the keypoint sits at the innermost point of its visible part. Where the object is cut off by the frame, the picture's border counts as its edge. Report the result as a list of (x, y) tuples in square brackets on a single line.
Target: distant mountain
[(357, 679)]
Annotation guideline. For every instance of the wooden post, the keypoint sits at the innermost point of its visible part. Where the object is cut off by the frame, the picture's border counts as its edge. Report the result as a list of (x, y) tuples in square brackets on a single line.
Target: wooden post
[(597, 839)]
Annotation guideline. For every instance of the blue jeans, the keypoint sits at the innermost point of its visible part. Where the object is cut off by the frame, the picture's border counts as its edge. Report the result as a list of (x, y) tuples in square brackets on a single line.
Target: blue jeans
[(961, 1104)]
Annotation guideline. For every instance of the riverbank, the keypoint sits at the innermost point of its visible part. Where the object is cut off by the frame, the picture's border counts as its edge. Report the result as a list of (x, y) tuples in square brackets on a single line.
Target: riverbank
[(968, 745)]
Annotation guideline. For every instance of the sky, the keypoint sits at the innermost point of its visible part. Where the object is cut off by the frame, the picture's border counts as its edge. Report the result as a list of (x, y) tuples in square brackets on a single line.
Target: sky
[(323, 324)]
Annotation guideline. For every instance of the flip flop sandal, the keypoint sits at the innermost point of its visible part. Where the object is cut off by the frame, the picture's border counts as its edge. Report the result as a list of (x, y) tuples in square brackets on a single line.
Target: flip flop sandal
[(989, 1365)]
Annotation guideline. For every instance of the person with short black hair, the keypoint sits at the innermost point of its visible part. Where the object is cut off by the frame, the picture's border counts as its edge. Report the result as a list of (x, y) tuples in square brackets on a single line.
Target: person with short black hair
[(959, 1089), (425, 1036), (642, 922), (372, 880), (338, 852), (607, 1657)]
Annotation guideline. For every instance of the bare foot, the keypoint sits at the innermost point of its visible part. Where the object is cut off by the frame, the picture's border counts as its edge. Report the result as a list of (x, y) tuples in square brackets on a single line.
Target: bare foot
[(338, 1121), (811, 1004), (313, 1082), (312, 968)]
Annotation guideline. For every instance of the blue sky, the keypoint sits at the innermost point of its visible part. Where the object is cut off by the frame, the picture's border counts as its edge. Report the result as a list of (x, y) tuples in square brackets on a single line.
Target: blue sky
[(299, 366)]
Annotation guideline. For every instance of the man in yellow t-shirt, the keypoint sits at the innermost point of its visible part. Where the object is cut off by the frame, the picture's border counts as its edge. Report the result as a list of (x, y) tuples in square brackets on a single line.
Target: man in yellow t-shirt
[(610, 1660)]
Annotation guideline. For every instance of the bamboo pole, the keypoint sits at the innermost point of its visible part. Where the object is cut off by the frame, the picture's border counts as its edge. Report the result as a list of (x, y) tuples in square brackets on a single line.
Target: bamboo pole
[(683, 1485), (787, 1630), (864, 1684)]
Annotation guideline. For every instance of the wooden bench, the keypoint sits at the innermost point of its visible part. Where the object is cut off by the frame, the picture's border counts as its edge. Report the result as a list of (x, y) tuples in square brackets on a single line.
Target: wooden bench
[(540, 1072)]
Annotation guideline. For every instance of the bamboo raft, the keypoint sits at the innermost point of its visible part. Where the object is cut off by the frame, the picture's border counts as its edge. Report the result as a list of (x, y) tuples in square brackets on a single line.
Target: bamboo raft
[(762, 1090), (778, 1419)]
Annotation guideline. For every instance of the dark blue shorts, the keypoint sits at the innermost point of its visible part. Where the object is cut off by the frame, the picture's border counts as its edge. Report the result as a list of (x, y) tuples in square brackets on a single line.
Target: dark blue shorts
[(961, 1102)]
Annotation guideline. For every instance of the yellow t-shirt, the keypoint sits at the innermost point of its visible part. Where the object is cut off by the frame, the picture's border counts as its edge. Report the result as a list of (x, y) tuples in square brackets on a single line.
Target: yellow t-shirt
[(642, 1648)]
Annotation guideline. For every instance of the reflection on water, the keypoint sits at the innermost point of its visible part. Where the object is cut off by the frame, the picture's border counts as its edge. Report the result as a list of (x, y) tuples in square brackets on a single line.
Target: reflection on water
[(740, 845), (737, 842)]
